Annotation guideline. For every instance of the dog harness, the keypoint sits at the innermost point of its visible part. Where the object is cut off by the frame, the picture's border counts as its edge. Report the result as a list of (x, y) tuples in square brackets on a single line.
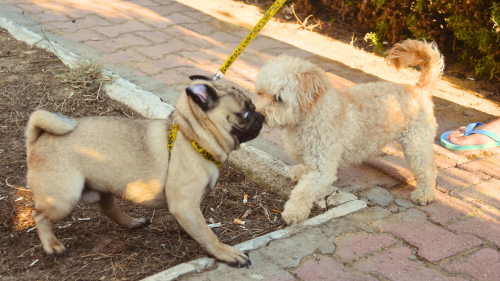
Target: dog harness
[(201, 150)]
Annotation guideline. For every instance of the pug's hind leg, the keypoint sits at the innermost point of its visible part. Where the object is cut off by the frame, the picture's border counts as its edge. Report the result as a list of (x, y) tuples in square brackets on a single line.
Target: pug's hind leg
[(108, 207), (56, 195), (50, 244)]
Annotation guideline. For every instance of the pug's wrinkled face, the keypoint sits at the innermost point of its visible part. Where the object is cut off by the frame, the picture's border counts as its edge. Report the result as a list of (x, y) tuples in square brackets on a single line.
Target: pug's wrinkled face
[(226, 107)]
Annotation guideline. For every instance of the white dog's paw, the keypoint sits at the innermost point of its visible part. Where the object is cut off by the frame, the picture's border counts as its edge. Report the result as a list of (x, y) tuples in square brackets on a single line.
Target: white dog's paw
[(296, 172), (295, 213), (423, 196)]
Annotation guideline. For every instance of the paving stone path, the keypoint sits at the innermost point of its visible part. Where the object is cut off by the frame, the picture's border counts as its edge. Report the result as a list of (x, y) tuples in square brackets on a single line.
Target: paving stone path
[(457, 237)]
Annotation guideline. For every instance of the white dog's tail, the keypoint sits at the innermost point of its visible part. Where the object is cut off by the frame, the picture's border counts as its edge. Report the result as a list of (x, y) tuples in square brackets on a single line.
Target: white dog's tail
[(44, 121), (414, 52)]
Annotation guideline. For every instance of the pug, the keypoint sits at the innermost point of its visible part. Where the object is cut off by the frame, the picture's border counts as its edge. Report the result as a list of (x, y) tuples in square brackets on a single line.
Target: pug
[(144, 161)]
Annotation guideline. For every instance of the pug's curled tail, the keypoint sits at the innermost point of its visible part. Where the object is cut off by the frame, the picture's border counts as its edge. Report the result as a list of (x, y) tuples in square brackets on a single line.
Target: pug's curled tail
[(415, 52), (44, 121)]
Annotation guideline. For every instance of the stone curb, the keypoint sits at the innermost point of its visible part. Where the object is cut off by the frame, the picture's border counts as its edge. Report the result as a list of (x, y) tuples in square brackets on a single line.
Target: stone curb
[(256, 243), (258, 165)]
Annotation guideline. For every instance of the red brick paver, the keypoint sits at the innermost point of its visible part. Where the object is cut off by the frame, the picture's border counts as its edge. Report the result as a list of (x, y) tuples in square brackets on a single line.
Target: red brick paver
[(88, 21), (434, 242), (395, 265), (446, 208), (485, 225), (154, 36), (125, 56), (454, 178), (490, 166), (160, 50), (282, 276), (394, 165), (487, 192), (359, 245), (484, 265), (171, 61), (82, 35), (115, 30), (170, 77), (358, 177), (49, 16), (328, 269), (112, 45)]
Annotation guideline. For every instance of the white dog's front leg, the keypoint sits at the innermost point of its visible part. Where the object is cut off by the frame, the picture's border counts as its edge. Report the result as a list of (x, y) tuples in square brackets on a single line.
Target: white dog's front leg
[(296, 172), (309, 188)]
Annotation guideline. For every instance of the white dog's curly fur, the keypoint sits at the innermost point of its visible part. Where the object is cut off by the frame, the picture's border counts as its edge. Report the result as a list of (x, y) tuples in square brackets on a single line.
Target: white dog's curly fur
[(326, 128)]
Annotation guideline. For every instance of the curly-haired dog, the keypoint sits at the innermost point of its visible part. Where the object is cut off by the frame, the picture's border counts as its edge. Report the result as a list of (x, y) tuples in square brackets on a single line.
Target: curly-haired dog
[(326, 128)]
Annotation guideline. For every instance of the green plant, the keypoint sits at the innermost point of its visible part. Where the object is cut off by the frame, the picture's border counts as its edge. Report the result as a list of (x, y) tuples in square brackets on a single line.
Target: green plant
[(411, 24), (471, 34), (486, 66), (380, 4), (495, 18), (377, 45), (419, 6)]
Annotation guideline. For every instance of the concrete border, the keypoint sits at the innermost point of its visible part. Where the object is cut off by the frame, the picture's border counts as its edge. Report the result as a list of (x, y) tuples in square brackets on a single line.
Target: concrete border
[(258, 165), (259, 242)]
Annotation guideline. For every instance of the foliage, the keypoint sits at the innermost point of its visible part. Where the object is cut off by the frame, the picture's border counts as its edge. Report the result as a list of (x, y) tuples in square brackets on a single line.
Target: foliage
[(377, 45), (470, 27)]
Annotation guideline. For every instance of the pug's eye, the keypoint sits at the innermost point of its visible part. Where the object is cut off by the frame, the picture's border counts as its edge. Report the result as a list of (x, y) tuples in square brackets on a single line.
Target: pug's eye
[(278, 99), (245, 114)]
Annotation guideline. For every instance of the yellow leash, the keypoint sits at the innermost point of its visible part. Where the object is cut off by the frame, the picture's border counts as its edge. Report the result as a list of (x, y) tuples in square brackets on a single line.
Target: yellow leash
[(267, 16)]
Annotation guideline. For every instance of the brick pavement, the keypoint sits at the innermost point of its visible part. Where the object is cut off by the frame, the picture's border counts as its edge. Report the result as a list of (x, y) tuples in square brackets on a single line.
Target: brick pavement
[(454, 238)]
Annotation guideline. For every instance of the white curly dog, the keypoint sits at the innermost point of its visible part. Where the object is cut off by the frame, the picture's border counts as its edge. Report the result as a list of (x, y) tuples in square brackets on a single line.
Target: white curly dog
[(326, 129)]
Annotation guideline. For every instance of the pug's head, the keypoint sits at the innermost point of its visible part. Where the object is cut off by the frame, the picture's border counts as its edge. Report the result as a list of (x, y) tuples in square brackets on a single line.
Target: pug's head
[(217, 115)]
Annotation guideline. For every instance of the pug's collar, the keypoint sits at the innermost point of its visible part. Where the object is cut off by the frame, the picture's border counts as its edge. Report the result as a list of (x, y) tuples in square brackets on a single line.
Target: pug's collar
[(201, 150)]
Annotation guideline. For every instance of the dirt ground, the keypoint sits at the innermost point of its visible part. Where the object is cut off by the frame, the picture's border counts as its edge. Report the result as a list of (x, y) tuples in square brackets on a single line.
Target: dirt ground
[(99, 249)]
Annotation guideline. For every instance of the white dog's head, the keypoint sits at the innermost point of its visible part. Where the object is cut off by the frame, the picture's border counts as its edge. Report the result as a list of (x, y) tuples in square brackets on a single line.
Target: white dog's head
[(288, 88)]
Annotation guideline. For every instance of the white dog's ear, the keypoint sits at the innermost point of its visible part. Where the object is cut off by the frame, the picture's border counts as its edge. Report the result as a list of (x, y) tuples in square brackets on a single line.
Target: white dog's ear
[(312, 86)]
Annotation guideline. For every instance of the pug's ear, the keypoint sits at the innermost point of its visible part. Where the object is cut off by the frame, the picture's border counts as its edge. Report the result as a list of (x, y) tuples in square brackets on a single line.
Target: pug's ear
[(199, 77), (203, 95)]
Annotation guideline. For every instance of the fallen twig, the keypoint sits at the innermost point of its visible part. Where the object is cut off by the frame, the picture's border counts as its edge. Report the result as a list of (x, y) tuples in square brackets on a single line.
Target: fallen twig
[(266, 212), (28, 250), (303, 24), (10, 185)]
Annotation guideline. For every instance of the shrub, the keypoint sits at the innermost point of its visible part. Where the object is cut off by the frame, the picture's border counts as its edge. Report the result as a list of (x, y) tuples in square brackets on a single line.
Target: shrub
[(467, 26)]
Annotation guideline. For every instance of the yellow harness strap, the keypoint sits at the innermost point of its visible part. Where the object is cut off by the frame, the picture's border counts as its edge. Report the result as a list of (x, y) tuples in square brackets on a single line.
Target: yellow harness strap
[(171, 139), (267, 16), (201, 150)]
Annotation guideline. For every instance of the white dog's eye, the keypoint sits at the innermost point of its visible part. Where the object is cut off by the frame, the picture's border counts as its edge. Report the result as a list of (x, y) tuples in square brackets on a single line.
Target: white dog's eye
[(245, 114), (278, 98)]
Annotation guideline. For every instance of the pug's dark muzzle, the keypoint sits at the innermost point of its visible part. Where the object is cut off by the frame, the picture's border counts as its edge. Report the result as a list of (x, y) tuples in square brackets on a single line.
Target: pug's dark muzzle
[(251, 130)]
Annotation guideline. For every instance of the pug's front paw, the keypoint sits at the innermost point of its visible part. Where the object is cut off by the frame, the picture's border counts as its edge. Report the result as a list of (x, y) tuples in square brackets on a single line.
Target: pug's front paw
[(232, 256)]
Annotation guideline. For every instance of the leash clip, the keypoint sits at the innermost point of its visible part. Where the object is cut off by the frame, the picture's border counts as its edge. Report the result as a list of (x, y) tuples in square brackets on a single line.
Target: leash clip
[(218, 76)]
